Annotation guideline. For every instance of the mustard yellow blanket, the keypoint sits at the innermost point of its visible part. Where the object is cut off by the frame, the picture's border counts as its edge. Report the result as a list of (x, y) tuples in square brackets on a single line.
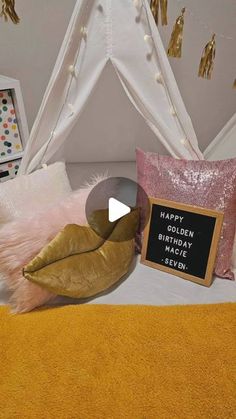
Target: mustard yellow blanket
[(108, 362)]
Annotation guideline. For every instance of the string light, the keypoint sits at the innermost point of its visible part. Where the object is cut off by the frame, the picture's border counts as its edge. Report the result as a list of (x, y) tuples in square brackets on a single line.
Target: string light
[(136, 3), (147, 38), (72, 70), (159, 78), (84, 31), (173, 112)]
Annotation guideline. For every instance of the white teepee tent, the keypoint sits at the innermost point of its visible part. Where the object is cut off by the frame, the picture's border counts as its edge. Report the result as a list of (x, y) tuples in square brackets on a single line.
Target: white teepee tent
[(112, 74), (224, 145)]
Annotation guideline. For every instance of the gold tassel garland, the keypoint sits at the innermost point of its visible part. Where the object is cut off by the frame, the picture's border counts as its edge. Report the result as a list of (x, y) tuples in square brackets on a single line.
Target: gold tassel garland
[(176, 40), (207, 59), (8, 11), (162, 5)]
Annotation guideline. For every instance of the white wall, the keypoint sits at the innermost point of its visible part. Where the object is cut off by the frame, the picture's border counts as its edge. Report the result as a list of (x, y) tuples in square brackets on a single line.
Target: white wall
[(28, 52), (209, 103)]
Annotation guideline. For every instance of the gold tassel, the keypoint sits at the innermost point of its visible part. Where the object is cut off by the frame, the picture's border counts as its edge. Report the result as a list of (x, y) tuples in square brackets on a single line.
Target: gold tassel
[(207, 59), (8, 11), (234, 85), (155, 9), (176, 40), (162, 5)]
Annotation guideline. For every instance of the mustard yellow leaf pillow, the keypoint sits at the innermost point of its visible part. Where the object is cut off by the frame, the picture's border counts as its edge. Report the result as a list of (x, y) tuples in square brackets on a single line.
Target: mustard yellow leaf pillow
[(79, 263)]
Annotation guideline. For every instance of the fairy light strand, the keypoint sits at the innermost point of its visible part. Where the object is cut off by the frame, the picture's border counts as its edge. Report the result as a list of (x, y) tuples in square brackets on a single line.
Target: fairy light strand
[(184, 141), (73, 71)]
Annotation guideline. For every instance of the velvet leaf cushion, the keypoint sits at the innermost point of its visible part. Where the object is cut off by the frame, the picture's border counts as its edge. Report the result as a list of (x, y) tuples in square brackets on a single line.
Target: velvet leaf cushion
[(23, 238), (208, 184), (28, 194), (79, 263)]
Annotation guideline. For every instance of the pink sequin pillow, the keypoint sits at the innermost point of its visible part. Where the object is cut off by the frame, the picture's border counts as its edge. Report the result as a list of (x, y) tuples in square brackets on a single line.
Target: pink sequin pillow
[(208, 184)]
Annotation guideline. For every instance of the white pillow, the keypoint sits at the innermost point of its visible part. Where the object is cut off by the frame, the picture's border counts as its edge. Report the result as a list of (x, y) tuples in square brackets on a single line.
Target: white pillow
[(32, 193)]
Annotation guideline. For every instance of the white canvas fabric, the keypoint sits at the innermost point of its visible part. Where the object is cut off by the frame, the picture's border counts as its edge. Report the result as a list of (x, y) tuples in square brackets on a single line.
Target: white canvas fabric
[(114, 42), (224, 145)]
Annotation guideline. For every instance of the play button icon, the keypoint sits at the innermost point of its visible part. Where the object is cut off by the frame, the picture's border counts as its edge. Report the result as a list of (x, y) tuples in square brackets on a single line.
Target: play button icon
[(113, 199), (117, 210)]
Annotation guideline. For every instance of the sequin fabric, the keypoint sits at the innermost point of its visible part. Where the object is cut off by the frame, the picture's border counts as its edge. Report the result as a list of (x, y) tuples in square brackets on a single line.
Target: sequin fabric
[(208, 184)]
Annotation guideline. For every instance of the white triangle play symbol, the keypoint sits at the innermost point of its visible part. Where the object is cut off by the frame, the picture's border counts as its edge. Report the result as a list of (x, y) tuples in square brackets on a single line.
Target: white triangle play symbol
[(117, 210)]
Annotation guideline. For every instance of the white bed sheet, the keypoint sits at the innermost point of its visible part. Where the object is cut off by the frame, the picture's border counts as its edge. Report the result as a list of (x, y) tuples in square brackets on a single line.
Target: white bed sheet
[(149, 286)]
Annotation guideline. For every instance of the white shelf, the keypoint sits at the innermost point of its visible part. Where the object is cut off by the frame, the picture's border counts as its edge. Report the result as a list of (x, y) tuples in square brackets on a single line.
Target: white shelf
[(9, 158)]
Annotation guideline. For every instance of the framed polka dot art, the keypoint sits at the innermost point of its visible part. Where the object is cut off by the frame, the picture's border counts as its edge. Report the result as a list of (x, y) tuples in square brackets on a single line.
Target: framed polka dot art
[(10, 138), (13, 128)]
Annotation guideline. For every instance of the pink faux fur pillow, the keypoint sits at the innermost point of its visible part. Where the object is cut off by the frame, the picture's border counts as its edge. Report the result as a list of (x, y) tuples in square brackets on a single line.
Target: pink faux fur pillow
[(22, 239)]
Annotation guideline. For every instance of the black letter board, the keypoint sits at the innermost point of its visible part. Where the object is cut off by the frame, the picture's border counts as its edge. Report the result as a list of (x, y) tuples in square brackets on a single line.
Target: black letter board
[(182, 240)]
